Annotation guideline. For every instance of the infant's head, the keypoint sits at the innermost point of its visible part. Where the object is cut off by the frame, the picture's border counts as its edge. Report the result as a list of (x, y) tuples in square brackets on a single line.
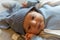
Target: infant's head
[(33, 22)]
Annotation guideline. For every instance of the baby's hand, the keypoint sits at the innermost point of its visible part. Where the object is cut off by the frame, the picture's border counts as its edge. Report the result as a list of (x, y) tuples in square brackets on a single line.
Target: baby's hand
[(28, 36), (24, 4)]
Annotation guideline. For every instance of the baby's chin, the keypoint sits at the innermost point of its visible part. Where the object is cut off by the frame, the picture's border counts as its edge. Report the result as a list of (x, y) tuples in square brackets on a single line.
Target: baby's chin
[(37, 33)]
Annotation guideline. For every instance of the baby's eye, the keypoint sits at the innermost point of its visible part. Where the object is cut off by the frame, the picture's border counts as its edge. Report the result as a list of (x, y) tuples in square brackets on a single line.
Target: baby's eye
[(29, 27), (33, 17)]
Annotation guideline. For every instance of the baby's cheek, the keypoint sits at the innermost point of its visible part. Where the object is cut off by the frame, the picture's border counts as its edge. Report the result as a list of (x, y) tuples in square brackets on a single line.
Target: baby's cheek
[(42, 25)]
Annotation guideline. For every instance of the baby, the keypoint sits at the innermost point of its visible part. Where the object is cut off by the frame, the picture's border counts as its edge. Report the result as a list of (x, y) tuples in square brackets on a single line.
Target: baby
[(31, 21)]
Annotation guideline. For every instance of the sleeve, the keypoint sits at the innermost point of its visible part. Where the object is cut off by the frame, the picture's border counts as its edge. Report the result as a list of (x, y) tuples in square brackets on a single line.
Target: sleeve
[(32, 2), (11, 5), (3, 16)]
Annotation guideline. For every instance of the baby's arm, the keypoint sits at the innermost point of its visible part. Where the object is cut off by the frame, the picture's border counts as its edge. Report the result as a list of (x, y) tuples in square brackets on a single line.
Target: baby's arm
[(11, 5)]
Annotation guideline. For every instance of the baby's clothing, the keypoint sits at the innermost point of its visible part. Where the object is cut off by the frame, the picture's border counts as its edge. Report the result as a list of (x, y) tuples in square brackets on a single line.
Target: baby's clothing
[(4, 14), (52, 16)]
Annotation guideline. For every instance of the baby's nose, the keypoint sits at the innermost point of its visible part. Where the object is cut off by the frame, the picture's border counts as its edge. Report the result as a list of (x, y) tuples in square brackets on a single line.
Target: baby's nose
[(33, 22)]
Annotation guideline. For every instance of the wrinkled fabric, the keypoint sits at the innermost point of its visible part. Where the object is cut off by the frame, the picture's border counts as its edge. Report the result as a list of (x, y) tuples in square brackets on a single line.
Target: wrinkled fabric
[(4, 14), (32, 3), (52, 16)]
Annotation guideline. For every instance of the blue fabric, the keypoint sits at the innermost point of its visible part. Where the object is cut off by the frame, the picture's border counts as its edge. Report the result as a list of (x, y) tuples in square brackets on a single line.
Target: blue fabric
[(36, 38), (3, 15), (15, 6), (52, 16), (32, 2)]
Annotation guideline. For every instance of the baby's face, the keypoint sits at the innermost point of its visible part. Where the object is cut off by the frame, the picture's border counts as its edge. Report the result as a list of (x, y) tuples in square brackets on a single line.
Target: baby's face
[(34, 22)]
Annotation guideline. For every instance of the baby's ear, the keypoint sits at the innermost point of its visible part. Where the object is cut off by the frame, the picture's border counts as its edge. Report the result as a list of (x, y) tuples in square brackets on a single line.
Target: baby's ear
[(7, 5)]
